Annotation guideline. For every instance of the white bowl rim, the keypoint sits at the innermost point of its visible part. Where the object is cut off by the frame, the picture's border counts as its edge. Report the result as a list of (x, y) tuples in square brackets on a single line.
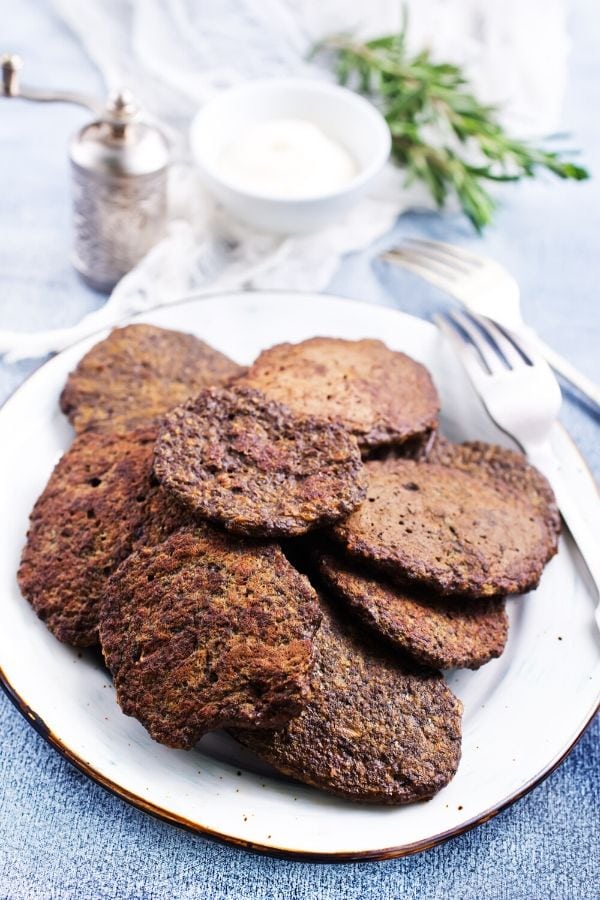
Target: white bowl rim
[(309, 85)]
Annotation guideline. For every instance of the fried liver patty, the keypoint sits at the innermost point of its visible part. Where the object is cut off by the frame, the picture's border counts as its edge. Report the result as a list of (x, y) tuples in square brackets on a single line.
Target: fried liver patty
[(449, 529), (501, 465), (382, 396), (207, 630), (81, 527), (100, 502), (374, 729), (445, 634), (248, 463), (138, 373)]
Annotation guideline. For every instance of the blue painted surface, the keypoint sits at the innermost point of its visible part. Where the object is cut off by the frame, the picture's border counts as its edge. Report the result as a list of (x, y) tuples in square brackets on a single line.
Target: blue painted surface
[(62, 836)]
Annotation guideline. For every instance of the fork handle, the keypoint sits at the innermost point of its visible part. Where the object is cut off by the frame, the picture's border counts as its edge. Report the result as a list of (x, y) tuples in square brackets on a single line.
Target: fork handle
[(560, 364), (585, 536)]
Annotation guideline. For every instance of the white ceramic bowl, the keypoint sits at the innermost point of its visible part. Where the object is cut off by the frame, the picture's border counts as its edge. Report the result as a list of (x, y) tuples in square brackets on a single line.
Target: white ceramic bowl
[(341, 114)]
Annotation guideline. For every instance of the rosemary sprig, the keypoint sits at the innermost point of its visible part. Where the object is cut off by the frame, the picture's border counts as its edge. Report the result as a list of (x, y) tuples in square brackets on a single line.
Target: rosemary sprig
[(441, 134)]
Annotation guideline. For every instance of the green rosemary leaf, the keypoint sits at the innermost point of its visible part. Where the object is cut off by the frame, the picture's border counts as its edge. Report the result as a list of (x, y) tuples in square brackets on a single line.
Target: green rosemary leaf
[(414, 93)]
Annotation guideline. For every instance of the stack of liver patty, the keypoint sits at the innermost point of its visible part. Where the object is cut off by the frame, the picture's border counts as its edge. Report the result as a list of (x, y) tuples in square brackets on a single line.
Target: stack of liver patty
[(291, 552)]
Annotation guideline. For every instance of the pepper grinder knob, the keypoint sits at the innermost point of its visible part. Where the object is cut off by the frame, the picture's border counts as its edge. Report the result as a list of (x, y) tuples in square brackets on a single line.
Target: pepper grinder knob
[(122, 105)]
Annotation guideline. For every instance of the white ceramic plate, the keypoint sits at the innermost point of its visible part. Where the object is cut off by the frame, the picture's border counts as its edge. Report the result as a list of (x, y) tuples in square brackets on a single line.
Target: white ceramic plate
[(523, 712)]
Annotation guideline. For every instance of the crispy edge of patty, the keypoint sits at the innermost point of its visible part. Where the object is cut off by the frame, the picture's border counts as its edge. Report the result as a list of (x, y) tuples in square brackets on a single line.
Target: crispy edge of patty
[(442, 634)]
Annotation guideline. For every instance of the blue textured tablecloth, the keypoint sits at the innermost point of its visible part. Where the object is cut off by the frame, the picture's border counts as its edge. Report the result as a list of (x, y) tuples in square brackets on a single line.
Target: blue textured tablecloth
[(62, 836)]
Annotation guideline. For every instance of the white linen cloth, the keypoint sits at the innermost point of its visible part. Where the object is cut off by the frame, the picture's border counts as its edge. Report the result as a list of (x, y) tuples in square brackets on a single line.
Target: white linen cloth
[(174, 54)]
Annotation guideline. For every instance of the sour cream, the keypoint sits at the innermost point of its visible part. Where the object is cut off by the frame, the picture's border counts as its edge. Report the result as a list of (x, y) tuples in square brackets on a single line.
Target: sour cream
[(288, 159)]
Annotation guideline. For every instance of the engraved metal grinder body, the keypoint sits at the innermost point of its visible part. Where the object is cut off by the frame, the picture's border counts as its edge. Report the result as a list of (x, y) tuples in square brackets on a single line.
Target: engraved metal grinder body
[(119, 164), (119, 169)]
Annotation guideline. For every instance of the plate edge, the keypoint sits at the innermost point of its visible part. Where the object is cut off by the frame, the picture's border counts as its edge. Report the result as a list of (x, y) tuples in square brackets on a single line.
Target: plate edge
[(281, 853)]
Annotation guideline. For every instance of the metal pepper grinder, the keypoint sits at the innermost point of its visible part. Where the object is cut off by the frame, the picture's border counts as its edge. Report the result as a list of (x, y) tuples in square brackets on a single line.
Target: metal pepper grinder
[(119, 165)]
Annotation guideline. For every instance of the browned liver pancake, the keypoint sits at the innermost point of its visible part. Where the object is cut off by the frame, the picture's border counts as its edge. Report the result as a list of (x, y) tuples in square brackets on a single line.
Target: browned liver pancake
[(206, 630), (138, 373), (250, 464), (455, 531), (374, 729), (82, 526), (382, 396), (444, 634), (100, 502), (499, 464)]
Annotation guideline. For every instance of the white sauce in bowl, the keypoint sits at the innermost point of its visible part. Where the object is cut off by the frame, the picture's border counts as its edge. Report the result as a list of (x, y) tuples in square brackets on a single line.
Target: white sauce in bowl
[(288, 159)]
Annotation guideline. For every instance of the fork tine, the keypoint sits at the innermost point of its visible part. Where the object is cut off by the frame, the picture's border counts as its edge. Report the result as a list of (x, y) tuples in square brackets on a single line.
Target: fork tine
[(459, 254), (528, 356), (529, 353), (427, 250), (438, 264), (506, 346), (436, 251), (426, 272), (492, 360), (465, 350)]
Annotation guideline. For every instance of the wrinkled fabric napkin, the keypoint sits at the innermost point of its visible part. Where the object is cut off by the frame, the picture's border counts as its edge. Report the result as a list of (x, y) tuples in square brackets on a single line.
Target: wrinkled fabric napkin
[(175, 54)]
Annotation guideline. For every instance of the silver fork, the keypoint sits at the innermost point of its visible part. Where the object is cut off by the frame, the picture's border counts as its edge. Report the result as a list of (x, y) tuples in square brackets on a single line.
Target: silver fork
[(522, 396), (484, 287)]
